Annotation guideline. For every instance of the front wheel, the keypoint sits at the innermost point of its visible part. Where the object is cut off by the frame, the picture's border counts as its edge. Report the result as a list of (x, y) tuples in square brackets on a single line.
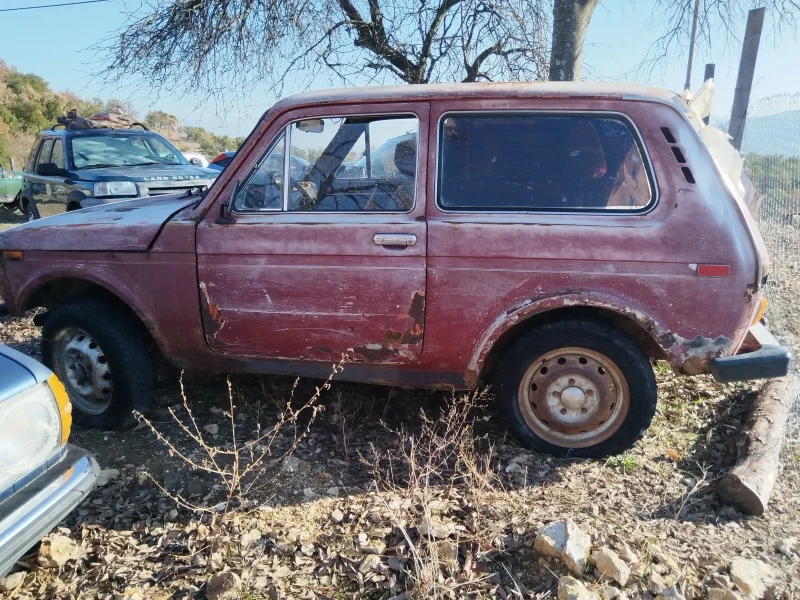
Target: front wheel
[(579, 388), (29, 208), (102, 357)]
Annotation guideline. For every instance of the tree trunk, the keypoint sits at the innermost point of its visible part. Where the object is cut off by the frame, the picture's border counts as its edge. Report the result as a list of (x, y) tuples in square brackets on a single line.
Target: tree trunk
[(570, 20), (749, 485)]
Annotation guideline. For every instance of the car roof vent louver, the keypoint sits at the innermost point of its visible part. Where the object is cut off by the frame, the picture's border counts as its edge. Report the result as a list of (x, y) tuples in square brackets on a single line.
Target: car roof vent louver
[(678, 154)]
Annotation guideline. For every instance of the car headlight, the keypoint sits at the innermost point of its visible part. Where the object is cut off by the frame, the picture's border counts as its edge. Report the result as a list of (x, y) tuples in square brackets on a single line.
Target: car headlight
[(34, 425), (115, 188)]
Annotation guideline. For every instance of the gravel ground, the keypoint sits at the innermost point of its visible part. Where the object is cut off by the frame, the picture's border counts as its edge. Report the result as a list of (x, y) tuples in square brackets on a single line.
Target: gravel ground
[(325, 521), (373, 492)]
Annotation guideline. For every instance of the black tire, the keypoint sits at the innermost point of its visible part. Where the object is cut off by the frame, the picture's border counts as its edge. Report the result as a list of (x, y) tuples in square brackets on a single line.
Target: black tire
[(628, 362), (17, 204), (29, 210), (124, 347)]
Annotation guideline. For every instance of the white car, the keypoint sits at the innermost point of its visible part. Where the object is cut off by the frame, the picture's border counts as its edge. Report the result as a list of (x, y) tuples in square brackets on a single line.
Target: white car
[(42, 477), (196, 159)]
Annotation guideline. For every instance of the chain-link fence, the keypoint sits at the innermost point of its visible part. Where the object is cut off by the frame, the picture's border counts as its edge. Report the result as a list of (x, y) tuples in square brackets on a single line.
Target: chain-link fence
[(771, 148)]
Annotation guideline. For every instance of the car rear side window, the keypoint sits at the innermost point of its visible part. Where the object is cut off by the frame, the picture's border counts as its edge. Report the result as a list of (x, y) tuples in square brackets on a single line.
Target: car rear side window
[(44, 153), (541, 162)]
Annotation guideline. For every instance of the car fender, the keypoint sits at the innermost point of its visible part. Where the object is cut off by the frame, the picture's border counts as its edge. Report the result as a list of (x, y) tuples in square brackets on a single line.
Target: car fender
[(625, 307), (114, 286), (77, 197)]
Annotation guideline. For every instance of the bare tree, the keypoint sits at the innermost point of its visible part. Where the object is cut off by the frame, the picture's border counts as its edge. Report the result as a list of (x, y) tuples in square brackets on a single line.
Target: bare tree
[(230, 46), (673, 20), (225, 48), (570, 20)]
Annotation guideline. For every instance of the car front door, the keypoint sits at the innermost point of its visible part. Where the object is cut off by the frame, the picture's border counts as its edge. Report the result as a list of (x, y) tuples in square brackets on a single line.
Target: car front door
[(4, 185), (317, 255), (43, 186)]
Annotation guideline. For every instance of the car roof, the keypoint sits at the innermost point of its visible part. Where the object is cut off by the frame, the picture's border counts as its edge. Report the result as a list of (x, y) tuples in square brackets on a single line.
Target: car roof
[(96, 131), (473, 91)]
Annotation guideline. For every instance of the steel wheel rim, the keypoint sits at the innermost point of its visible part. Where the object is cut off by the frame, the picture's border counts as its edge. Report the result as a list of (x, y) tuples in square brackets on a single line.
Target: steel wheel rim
[(83, 368), (574, 397)]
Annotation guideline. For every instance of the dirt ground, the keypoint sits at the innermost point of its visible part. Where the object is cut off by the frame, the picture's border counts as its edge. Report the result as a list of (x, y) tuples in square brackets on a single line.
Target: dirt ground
[(9, 218), (375, 492)]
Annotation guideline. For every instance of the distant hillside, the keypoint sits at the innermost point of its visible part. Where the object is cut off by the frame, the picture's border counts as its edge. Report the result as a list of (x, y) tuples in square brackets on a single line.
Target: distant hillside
[(777, 133), (28, 105), (773, 134)]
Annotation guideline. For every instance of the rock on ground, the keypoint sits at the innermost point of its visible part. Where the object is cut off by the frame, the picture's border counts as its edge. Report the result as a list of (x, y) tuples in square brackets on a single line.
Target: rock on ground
[(565, 540), (611, 565), (55, 551), (107, 475), (671, 593), (752, 577), (12, 582), (223, 586), (570, 588)]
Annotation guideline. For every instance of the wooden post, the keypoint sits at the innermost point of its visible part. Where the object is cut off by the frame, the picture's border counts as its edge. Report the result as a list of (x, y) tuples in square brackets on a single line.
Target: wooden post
[(749, 484), (744, 79), (709, 74), (13, 163)]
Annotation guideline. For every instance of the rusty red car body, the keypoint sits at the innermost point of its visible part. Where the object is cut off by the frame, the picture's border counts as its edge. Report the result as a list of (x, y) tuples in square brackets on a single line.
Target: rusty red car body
[(289, 292)]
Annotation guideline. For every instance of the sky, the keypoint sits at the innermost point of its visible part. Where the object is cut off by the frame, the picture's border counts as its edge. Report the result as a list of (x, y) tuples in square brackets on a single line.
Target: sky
[(56, 43)]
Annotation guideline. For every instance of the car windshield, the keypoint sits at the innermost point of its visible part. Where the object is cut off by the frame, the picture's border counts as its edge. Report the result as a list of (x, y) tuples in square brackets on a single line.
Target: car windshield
[(111, 150)]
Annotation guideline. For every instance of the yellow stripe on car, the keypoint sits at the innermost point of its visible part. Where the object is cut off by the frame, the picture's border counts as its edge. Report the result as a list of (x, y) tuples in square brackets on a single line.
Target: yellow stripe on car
[(64, 406), (761, 310)]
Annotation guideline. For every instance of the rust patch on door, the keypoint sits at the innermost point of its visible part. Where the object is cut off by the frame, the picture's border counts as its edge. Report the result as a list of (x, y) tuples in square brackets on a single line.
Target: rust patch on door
[(413, 334), (375, 352), (213, 321)]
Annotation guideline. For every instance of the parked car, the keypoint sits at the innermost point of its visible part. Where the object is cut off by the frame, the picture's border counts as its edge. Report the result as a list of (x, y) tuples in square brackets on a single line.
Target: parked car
[(10, 185), (196, 159), (298, 166), (77, 167), (42, 477), (381, 162), (221, 161), (549, 239)]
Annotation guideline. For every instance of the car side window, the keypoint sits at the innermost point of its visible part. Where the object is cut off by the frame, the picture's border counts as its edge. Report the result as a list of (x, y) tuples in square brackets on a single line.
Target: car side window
[(354, 163), (541, 162), (263, 189), (44, 153), (57, 156), (31, 160)]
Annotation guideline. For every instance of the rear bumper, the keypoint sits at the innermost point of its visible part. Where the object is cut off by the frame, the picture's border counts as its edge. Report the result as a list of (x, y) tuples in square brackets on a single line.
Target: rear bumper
[(760, 357), (30, 513)]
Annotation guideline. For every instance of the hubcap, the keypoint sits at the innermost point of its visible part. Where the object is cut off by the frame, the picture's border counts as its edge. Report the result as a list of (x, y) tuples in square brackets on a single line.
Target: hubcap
[(573, 397), (81, 364)]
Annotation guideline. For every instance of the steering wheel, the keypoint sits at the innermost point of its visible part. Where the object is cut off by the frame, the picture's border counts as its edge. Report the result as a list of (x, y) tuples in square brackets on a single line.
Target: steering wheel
[(307, 191)]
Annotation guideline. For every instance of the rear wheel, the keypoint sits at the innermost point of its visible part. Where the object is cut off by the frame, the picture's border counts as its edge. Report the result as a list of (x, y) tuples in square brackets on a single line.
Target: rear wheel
[(103, 360), (578, 388)]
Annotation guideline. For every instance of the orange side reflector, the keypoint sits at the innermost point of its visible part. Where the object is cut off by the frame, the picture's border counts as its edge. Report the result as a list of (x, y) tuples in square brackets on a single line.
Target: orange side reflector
[(713, 270), (12, 254)]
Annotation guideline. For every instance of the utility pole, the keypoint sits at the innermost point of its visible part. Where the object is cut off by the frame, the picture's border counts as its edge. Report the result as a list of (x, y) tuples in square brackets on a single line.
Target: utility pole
[(709, 74), (744, 79), (691, 45)]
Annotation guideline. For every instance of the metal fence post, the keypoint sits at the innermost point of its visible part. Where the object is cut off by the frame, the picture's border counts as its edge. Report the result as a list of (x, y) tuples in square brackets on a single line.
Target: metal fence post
[(709, 74), (744, 80)]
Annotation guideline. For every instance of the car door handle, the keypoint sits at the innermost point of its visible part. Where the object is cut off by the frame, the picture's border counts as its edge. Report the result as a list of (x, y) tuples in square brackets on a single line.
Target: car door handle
[(394, 239)]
